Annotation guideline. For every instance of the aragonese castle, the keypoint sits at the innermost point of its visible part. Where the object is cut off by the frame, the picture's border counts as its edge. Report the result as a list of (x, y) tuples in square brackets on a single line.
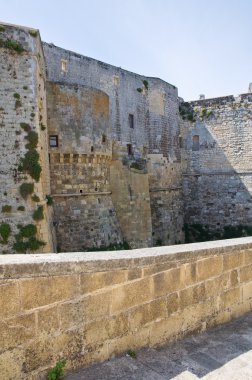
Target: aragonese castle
[(97, 157)]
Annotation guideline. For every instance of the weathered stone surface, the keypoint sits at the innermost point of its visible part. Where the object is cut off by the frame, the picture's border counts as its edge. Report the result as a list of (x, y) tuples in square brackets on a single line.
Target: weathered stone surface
[(88, 307)]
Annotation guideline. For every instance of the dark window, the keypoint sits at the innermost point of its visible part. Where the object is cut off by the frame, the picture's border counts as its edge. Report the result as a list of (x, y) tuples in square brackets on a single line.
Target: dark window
[(92, 148), (180, 142), (104, 139), (129, 148), (131, 121), (53, 141), (195, 145)]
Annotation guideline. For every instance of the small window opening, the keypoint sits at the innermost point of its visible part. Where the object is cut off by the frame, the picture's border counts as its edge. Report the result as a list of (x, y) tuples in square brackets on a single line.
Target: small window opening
[(104, 139), (180, 142), (129, 149), (63, 65), (92, 148), (131, 121), (53, 141), (81, 191), (195, 145), (49, 158)]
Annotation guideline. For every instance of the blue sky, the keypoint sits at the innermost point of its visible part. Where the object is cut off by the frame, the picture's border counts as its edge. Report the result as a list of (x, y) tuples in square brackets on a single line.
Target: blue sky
[(203, 47)]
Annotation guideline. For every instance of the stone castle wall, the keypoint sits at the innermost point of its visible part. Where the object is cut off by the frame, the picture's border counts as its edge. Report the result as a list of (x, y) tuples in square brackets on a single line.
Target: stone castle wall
[(22, 113), (217, 176), (154, 107), (125, 158), (84, 214), (89, 307)]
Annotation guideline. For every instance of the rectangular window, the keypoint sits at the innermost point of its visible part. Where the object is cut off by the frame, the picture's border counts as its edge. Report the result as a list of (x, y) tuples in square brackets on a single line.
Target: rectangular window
[(53, 141), (129, 148), (195, 145), (63, 65), (131, 121)]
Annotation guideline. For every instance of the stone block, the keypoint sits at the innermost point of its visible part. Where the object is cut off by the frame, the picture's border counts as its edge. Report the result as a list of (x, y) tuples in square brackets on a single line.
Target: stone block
[(11, 364), (234, 278), (47, 290), (192, 295), (233, 260), (247, 256), (97, 306), (149, 312), (126, 296), (17, 331), (166, 330), (134, 273), (189, 273), (217, 285), (48, 320), (246, 273), (152, 269), (9, 299), (172, 303), (247, 291), (94, 281), (167, 282), (209, 267), (229, 298), (104, 329), (37, 354), (71, 314)]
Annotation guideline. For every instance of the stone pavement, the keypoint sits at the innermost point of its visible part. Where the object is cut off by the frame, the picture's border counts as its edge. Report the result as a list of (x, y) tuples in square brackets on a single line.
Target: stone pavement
[(221, 353)]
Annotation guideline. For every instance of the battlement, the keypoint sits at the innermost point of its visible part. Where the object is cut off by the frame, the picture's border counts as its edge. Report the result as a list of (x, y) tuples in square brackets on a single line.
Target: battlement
[(221, 101)]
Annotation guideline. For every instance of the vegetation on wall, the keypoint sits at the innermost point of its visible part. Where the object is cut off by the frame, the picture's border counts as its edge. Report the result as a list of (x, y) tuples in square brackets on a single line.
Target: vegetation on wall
[(146, 84), (38, 214), (12, 45), (5, 231), (35, 198), (26, 127), (30, 163), (187, 112), (26, 239), (198, 233), (57, 372), (6, 208), (26, 189), (49, 200), (33, 33)]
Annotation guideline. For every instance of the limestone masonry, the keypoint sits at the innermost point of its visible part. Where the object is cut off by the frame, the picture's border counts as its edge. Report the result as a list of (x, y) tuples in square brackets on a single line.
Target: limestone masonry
[(97, 157)]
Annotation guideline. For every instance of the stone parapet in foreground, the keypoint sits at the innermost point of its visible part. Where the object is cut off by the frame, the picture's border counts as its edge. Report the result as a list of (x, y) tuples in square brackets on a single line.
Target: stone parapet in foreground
[(87, 307)]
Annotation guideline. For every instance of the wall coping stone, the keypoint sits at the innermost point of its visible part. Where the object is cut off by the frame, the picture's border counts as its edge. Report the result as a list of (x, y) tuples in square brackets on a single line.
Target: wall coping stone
[(20, 265)]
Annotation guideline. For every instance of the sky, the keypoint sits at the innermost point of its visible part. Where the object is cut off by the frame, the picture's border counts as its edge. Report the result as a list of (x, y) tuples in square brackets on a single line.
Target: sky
[(200, 46)]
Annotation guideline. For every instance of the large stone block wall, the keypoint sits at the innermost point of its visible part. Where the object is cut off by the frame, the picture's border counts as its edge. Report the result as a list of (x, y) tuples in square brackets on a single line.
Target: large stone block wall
[(166, 199), (131, 199), (89, 307), (22, 100), (217, 176), (84, 215)]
